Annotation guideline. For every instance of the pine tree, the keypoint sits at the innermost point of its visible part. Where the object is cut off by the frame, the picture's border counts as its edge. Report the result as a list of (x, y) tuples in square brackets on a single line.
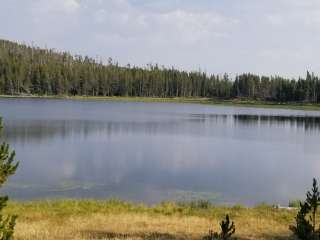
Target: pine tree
[(31, 70), (312, 201), (306, 229), (227, 230), (7, 168)]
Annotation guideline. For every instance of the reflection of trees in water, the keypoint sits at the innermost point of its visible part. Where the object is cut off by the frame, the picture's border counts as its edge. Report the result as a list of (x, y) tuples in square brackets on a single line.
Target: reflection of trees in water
[(307, 123), (38, 130)]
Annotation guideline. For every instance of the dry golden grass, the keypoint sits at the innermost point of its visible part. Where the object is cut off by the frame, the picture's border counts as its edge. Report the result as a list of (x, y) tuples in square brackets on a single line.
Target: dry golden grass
[(111, 220)]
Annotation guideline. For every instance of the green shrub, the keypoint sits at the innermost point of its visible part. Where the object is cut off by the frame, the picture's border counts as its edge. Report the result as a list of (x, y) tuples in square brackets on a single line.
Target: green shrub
[(305, 228), (237, 207), (295, 203), (200, 204), (7, 168), (227, 230)]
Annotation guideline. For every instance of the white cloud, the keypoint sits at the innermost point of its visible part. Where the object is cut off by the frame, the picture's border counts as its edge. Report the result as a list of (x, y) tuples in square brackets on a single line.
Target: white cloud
[(100, 16), (70, 5), (177, 26), (275, 20), (56, 6)]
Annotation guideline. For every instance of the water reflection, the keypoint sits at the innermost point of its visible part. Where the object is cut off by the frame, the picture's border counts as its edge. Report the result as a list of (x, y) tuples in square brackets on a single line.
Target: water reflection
[(153, 152), (307, 123), (40, 130)]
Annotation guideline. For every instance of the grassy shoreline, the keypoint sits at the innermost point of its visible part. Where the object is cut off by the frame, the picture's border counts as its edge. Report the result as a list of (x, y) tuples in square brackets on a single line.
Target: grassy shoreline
[(115, 219), (205, 101)]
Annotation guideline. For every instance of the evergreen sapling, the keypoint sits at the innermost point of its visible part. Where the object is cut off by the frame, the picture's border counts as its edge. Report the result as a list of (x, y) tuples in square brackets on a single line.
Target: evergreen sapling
[(306, 218), (227, 230), (7, 168)]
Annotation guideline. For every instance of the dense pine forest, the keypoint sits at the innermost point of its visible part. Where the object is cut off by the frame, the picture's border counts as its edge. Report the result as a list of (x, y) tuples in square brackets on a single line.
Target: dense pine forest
[(26, 70)]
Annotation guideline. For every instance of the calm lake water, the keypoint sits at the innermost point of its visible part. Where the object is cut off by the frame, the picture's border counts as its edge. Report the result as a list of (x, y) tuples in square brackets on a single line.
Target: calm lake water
[(160, 151)]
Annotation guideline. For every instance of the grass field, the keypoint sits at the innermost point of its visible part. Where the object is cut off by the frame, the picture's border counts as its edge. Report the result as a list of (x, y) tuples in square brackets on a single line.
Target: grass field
[(207, 101), (114, 219)]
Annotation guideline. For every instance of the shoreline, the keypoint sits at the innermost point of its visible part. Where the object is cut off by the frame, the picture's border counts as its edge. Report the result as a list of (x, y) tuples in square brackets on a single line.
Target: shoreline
[(201, 101)]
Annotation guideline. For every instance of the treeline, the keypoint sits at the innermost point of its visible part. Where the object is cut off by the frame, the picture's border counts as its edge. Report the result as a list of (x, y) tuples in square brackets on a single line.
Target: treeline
[(30, 70)]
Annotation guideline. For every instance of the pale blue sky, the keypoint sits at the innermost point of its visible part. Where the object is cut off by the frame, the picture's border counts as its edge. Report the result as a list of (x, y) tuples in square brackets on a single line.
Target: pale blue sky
[(233, 36)]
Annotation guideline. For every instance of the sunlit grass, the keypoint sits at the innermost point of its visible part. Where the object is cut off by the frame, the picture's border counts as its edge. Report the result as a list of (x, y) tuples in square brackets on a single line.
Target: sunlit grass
[(115, 219)]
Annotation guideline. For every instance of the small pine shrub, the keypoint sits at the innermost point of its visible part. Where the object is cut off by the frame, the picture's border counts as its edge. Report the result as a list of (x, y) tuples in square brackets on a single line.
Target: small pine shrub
[(7, 168), (227, 230), (306, 219)]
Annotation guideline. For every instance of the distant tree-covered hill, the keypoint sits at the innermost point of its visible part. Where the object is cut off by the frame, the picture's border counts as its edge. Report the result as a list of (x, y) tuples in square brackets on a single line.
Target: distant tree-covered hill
[(30, 70)]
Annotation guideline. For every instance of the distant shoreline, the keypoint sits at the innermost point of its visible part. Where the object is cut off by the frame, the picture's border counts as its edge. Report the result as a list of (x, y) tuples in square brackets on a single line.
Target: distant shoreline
[(204, 101)]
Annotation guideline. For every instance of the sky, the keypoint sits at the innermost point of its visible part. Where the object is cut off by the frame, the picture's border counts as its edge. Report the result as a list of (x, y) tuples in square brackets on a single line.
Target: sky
[(270, 37)]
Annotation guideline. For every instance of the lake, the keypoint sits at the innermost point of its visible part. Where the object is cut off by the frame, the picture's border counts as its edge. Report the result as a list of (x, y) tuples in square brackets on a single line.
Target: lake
[(150, 152)]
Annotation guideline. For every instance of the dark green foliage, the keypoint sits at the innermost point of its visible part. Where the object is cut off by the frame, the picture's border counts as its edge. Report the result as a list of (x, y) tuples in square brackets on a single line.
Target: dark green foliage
[(305, 228), (312, 202), (7, 168), (28, 70), (294, 203), (227, 230), (200, 204)]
